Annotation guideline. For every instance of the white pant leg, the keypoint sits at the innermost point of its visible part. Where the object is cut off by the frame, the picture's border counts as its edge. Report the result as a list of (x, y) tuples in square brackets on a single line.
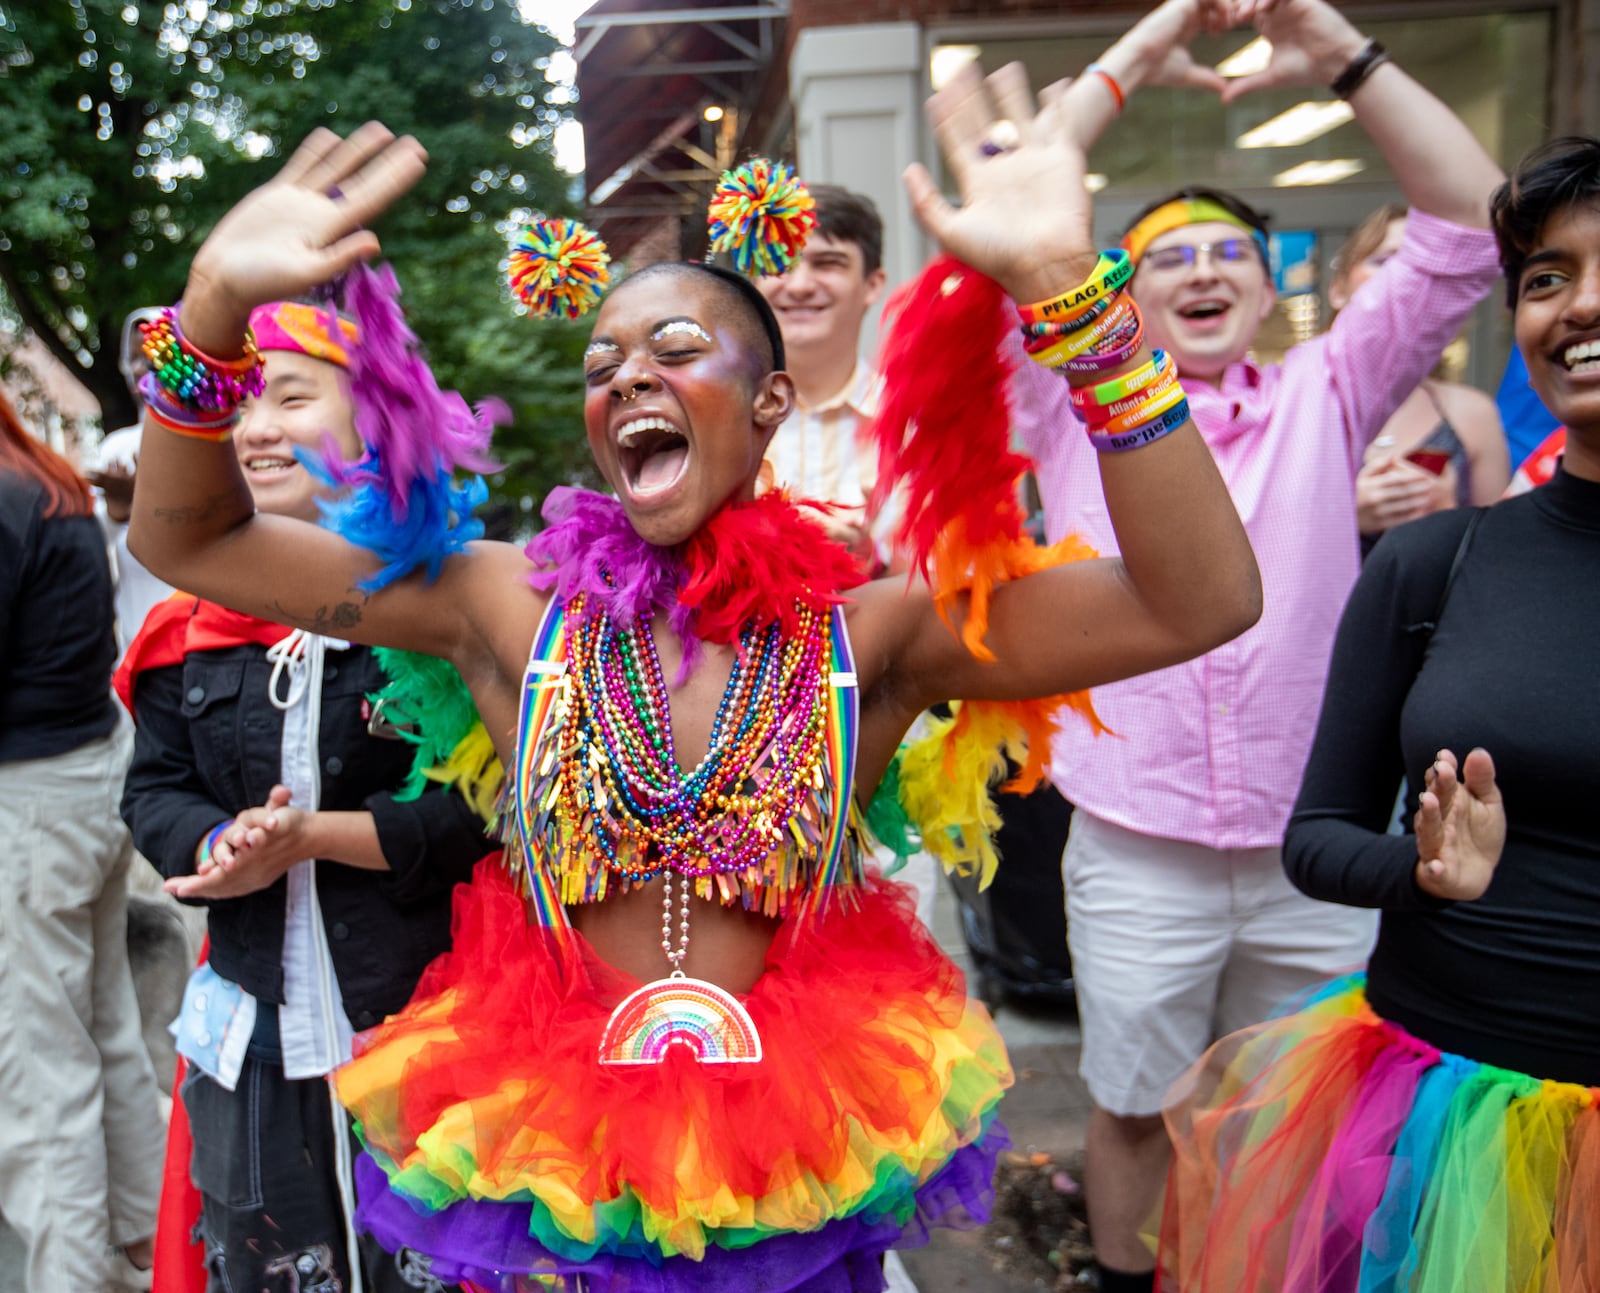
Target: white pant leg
[(71, 1058), (1283, 942), (1149, 922)]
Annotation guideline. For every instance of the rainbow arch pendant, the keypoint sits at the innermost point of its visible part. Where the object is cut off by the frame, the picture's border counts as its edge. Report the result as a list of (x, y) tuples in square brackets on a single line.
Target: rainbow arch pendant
[(680, 1012)]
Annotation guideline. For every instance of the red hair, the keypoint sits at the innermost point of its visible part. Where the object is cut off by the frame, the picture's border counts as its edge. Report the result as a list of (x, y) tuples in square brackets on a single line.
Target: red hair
[(66, 492)]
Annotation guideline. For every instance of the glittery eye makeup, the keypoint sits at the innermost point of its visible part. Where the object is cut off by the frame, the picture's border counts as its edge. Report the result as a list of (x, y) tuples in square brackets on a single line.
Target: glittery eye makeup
[(601, 348), (687, 326)]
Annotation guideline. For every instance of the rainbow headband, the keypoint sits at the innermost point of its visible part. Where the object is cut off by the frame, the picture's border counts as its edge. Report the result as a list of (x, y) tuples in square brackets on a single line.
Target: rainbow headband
[(312, 330), (1185, 211)]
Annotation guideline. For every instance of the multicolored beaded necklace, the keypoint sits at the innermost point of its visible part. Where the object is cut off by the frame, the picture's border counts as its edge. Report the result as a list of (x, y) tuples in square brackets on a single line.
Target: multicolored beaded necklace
[(650, 818), (622, 775), (598, 793)]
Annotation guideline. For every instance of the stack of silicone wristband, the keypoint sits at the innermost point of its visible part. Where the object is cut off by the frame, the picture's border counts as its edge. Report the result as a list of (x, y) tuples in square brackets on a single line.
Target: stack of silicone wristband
[(1134, 409), (187, 391), (1092, 330)]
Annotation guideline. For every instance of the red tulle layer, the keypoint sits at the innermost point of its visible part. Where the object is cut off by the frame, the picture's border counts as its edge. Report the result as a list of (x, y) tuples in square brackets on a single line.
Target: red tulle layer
[(875, 1066)]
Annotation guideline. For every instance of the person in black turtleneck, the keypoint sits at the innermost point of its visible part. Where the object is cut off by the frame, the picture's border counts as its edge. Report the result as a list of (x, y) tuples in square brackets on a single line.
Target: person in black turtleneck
[(1441, 1116)]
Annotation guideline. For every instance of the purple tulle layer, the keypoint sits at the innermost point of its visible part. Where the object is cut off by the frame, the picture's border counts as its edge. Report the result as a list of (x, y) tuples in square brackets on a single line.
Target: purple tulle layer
[(488, 1242)]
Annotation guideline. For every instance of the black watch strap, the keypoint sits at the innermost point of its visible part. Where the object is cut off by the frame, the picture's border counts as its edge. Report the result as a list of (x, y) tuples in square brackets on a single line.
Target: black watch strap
[(1360, 67)]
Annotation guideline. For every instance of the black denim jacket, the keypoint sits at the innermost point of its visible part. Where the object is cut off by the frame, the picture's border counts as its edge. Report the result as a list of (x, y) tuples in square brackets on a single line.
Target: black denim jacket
[(208, 746)]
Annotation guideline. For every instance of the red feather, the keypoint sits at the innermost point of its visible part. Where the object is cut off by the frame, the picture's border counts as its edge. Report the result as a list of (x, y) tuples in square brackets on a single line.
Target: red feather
[(943, 433), (754, 558)]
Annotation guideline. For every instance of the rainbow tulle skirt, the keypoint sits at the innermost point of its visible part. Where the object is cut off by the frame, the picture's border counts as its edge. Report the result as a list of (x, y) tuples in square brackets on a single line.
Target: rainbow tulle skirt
[(1329, 1151), (499, 1146)]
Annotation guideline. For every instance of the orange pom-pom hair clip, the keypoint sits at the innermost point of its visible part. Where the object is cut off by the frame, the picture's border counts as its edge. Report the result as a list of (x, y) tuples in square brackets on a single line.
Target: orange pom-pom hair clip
[(558, 268), (761, 216)]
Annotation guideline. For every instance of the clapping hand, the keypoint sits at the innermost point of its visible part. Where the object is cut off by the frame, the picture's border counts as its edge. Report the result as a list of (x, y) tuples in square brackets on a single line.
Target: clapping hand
[(257, 847), (115, 482), (302, 228), (1461, 827)]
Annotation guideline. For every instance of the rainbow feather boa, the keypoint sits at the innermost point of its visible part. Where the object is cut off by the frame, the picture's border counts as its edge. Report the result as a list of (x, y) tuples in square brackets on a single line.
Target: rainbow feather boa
[(943, 439)]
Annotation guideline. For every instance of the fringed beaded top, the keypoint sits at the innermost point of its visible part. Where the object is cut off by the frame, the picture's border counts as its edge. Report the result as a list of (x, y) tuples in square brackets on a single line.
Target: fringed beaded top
[(599, 799)]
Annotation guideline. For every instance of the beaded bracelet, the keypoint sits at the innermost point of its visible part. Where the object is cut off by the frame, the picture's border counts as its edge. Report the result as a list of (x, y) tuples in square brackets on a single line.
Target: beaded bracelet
[(1052, 351), (1147, 433), (194, 378), (1111, 273), (1115, 351), (1054, 329), (1090, 360), (1146, 410), (1103, 394), (166, 413)]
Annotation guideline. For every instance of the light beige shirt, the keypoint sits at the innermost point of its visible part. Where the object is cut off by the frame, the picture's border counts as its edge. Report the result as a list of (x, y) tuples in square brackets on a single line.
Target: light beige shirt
[(816, 453)]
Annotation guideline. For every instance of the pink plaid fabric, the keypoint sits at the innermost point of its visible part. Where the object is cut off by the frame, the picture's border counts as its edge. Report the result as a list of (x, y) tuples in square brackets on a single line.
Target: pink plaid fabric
[(1211, 751)]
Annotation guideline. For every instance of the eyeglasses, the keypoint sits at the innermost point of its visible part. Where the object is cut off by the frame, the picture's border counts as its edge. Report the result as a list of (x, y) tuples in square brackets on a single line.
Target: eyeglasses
[(1170, 259)]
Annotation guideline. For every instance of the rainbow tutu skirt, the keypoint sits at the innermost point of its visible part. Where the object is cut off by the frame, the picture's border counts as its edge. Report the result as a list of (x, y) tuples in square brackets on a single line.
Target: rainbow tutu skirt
[(499, 1146), (1329, 1151)]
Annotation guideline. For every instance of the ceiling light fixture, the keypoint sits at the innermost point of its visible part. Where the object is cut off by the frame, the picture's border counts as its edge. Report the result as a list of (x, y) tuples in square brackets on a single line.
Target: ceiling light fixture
[(1248, 60), (1325, 172), (1299, 125)]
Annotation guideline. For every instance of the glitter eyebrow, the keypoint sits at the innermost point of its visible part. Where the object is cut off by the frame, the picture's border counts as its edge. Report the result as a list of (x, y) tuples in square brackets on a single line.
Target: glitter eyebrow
[(598, 347), (680, 325)]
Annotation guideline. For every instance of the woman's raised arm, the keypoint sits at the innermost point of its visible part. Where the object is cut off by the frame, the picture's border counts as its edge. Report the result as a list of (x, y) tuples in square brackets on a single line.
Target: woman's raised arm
[(194, 524)]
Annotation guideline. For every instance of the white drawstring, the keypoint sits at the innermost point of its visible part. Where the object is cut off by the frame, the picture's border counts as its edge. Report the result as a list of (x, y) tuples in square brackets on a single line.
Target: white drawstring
[(290, 653), (301, 654)]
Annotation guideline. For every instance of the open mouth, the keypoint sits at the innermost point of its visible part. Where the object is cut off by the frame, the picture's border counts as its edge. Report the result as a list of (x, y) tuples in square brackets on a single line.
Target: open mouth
[(269, 466), (1583, 358), (653, 454), (1203, 311)]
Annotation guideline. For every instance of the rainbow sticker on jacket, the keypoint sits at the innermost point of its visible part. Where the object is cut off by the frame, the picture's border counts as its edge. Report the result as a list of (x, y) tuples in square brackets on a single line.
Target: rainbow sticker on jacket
[(680, 1011)]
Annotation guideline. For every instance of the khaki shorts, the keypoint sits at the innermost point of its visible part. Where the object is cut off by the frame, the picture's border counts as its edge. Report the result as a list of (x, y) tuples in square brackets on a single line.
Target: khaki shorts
[(1175, 944)]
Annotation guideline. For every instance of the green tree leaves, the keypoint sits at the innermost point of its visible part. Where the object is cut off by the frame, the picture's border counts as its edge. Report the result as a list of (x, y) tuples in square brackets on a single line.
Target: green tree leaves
[(132, 126)]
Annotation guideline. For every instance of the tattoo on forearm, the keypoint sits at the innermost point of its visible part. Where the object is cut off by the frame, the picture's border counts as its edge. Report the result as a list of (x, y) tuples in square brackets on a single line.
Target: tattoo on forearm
[(329, 621), (193, 514)]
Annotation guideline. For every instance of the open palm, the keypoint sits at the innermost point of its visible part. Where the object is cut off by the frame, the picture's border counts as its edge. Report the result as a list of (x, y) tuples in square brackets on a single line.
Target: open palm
[(1025, 216), (305, 226), (1461, 827)]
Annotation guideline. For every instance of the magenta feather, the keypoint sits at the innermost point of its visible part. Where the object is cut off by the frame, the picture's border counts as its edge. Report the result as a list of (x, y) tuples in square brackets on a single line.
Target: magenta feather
[(590, 547)]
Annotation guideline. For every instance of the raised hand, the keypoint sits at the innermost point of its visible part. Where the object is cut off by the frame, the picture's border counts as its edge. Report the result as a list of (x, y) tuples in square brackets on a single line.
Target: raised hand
[(299, 230), (1154, 51), (1461, 827), (1312, 42), (1156, 48), (1025, 218)]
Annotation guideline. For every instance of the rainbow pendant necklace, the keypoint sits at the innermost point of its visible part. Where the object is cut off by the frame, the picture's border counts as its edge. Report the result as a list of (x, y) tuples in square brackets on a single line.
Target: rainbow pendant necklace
[(680, 1012), (650, 819)]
